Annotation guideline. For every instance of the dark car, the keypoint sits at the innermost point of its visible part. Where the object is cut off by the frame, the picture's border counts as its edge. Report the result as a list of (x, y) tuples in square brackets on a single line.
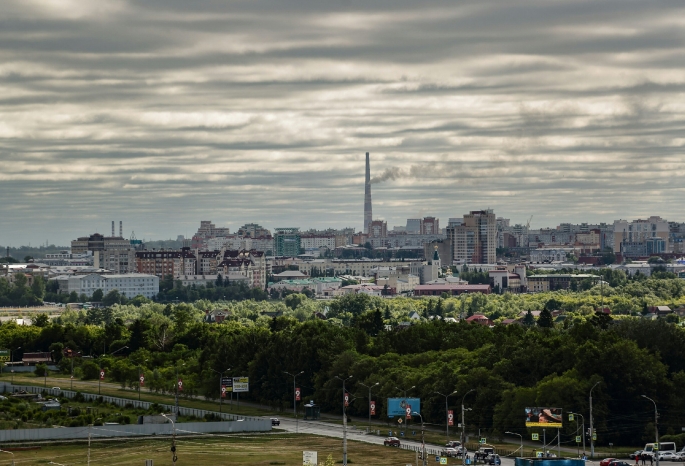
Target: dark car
[(391, 442), (493, 459), (453, 444), (606, 461), (275, 421)]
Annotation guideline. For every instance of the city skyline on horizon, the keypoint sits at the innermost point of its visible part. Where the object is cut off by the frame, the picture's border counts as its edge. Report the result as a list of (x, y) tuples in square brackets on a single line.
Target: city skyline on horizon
[(163, 114)]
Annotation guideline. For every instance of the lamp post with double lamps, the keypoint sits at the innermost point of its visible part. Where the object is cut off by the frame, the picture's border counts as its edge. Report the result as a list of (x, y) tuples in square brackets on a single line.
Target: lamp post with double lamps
[(344, 419), (423, 442), (368, 429), (592, 430), (447, 414), (174, 458), (463, 426)]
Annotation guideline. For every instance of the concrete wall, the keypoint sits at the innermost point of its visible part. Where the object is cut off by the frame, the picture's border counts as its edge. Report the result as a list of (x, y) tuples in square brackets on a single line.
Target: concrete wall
[(133, 430), (242, 424)]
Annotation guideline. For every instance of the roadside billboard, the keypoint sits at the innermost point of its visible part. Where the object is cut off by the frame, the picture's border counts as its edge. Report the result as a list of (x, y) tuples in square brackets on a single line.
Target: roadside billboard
[(544, 417), (397, 407), (241, 384)]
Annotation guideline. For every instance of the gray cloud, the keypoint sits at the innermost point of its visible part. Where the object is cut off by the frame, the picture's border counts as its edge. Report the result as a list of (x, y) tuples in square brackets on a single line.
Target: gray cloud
[(163, 113)]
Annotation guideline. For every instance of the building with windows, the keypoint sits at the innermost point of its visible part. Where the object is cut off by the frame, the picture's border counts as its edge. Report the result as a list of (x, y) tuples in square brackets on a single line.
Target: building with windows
[(253, 230), (98, 242), (166, 262), (132, 284), (638, 231), (207, 231), (116, 260), (287, 242), (378, 229), (475, 240)]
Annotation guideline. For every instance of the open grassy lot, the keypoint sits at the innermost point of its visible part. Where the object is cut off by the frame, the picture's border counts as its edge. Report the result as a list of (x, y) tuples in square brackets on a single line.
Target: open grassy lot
[(274, 449)]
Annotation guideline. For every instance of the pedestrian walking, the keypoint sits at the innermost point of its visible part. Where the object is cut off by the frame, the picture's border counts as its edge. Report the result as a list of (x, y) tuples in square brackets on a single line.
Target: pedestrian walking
[(637, 460), (651, 459), (644, 459)]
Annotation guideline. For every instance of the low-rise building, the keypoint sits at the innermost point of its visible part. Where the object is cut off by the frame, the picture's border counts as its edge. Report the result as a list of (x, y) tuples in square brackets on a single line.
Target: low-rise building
[(131, 285), (450, 289)]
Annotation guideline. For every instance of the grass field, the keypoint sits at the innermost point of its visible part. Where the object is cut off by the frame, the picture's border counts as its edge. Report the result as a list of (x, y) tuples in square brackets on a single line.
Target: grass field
[(279, 449)]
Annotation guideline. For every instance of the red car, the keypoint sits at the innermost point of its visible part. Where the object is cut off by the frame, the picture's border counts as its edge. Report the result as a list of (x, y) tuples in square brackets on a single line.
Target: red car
[(391, 442), (606, 461)]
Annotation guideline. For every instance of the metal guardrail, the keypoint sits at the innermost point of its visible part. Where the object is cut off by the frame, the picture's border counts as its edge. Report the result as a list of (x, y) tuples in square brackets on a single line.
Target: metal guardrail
[(183, 411)]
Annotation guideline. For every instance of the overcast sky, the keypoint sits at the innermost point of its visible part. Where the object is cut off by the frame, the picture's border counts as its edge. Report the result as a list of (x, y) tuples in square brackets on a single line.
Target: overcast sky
[(162, 113)]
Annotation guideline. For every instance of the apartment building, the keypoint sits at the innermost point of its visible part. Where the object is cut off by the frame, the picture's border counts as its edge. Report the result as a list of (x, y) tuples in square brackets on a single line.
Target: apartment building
[(475, 240), (639, 231), (166, 262), (131, 285)]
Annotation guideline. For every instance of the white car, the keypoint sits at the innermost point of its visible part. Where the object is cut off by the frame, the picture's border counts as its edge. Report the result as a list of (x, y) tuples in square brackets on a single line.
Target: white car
[(667, 456)]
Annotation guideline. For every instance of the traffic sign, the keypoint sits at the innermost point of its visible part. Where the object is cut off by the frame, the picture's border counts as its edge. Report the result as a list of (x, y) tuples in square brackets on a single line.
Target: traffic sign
[(577, 438), (570, 417), (483, 440), (450, 417), (594, 437), (535, 436), (399, 420), (297, 394), (402, 434), (443, 460)]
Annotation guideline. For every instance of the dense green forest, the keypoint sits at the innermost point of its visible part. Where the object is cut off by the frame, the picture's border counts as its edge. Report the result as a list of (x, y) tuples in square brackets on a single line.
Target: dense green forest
[(510, 367)]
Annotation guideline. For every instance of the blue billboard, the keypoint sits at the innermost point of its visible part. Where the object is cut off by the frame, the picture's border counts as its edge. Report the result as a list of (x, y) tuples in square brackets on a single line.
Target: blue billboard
[(398, 406)]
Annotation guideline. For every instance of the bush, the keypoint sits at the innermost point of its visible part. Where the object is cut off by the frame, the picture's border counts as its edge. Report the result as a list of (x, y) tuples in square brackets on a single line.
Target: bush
[(41, 370), (91, 371)]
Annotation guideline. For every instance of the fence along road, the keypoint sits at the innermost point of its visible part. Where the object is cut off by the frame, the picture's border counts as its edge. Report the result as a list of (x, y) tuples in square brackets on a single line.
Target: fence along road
[(242, 424)]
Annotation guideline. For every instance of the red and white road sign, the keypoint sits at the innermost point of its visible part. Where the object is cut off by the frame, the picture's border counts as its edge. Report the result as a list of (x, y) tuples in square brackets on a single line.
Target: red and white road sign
[(102, 374), (180, 384), (223, 391), (142, 380), (297, 394), (450, 417), (408, 410), (372, 407), (347, 399)]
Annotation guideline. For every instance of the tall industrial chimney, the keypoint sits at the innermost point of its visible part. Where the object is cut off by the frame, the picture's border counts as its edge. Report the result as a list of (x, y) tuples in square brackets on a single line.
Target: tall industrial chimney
[(368, 216), (121, 229), (112, 227)]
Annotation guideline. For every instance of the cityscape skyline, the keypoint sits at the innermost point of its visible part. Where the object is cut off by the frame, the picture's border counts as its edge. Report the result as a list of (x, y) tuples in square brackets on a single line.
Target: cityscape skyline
[(162, 116)]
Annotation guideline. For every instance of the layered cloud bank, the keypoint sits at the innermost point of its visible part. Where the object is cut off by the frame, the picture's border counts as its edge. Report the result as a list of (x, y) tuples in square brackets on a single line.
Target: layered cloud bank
[(162, 113)]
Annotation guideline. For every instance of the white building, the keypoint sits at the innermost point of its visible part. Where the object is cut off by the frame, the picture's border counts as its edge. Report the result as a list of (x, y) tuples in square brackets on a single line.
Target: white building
[(309, 242), (132, 284)]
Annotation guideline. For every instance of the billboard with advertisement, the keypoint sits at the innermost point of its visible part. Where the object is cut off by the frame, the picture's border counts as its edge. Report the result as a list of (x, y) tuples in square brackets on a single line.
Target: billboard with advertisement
[(544, 417), (241, 384), (397, 407)]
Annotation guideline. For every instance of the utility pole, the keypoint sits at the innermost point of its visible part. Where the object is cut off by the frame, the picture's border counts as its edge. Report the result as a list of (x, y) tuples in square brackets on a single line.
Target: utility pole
[(294, 376), (368, 429), (521, 436), (344, 420), (544, 443), (447, 415), (592, 431), (423, 442), (655, 451), (463, 426)]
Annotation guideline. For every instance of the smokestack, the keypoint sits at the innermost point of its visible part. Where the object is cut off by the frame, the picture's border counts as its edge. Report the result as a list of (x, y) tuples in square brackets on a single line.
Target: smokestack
[(367, 198), (112, 227), (121, 229)]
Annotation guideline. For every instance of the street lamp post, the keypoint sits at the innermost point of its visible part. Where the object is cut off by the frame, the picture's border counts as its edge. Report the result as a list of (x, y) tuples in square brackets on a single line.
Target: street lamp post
[(447, 414), (368, 429), (174, 458), (514, 433), (592, 431), (423, 442), (12, 362), (463, 426), (583, 418), (5, 451), (221, 386), (656, 428), (294, 376), (73, 355), (344, 421)]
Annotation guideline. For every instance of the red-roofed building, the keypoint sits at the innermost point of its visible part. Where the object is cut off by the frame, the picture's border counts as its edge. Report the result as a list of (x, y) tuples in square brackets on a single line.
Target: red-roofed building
[(480, 319)]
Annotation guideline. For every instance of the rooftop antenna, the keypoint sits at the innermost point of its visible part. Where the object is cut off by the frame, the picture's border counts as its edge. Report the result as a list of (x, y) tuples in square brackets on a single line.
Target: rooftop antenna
[(121, 229)]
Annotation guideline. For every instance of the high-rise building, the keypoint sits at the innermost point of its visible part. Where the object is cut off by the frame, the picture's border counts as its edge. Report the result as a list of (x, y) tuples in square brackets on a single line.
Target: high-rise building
[(378, 229), (639, 231), (287, 242), (430, 226), (475, 240), (368, 215)]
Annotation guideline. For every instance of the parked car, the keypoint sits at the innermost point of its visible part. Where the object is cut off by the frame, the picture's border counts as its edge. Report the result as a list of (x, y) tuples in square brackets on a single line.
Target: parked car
[(453, 444), (275, 421), (634, 454), (391, 442), (606, 461), (680, 456), (494, 460), (667, 456)]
